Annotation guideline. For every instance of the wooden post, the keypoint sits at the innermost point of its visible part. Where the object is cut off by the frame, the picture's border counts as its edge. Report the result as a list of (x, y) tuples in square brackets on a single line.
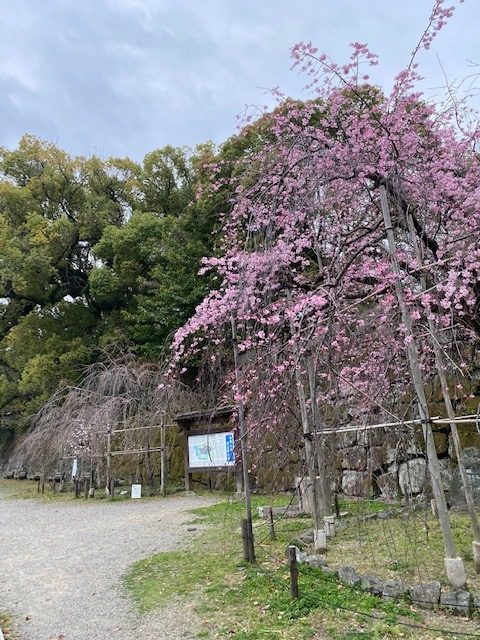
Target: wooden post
[(163, 460), (292, 555), (337, 506), (91, 490), (271, 526), (108, 459), (188, 475), (324, 496), (243, 445), (247, 539), (60, 473)]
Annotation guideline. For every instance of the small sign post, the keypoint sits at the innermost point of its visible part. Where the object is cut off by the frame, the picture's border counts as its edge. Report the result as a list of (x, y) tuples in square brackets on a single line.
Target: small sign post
[(136, 490)]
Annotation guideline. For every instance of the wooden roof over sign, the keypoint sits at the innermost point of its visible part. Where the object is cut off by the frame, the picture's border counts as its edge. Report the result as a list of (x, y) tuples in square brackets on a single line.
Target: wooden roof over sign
[(208, 416)]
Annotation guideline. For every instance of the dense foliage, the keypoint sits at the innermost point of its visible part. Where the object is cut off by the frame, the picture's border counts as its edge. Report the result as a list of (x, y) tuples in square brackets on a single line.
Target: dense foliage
[(92, 253)]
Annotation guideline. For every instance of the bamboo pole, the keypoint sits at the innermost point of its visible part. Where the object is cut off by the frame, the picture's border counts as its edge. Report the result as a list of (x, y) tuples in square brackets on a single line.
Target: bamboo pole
[(415, 370), (440, 366)]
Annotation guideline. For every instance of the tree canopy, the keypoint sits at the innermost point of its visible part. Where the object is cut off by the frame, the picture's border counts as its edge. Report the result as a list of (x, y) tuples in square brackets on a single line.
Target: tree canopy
[(92, 252)]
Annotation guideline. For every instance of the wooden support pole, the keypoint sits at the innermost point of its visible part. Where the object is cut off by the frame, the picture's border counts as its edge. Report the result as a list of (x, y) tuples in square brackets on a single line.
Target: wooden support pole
[(247, 539), (163, 461), (243, 445), (440, 366), (412, 355), (271, 525), (292, 557), (108, 460)]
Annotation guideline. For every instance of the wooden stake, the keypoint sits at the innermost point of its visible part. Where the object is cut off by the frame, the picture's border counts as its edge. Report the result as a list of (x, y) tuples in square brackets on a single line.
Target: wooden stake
[(247, 539), (292, 555), (163, 461), (271, 525)]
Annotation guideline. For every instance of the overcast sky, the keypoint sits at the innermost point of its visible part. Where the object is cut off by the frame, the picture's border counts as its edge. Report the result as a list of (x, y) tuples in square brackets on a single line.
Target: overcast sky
[(125, 77)]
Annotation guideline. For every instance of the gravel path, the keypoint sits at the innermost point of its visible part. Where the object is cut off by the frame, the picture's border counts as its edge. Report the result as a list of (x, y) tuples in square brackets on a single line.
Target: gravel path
[(61, 566)]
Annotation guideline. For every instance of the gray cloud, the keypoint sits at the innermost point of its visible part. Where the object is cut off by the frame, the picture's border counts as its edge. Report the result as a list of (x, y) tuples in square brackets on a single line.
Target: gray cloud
[(123, 77)]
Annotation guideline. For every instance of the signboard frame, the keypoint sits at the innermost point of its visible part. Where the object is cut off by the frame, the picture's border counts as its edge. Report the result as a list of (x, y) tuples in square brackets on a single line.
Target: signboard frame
[(219, 446), (210, 423)]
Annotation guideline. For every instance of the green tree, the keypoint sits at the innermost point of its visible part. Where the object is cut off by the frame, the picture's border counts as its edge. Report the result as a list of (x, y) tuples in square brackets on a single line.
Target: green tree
[(53, 210), (146, 272)]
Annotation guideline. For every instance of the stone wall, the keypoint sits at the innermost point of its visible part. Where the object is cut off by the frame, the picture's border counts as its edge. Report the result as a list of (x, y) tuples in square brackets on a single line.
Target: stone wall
[(390, 462)]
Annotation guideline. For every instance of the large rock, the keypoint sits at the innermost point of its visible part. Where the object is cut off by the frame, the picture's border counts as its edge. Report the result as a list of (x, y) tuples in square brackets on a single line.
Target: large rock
[(412, 476), (356, 483), (471, 460)]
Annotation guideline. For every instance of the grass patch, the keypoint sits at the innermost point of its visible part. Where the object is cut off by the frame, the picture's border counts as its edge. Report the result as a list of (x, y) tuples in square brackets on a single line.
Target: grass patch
[(253, 602), (7, 626), (28, 489), (407, 546)]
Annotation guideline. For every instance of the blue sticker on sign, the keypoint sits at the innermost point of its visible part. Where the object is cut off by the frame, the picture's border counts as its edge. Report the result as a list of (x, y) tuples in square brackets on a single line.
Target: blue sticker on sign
[(229, 447)]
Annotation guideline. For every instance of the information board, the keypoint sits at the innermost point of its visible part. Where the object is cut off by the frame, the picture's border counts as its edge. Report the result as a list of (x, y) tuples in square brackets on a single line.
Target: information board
[(211, 450)]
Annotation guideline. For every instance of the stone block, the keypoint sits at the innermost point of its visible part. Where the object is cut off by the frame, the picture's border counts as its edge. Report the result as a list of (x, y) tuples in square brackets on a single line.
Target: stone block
[(386, 514), (469, 438), (394, 589), (426, 595), (440, 440), (446, 472), (372, 584), (349, 576), (316, 562), (355, 458), (459, 601), (356, 483), (412, 476), (376, 437), (329, 571), (348, 439), (377, 458), (391, 455), (471, 460), (387, 484)]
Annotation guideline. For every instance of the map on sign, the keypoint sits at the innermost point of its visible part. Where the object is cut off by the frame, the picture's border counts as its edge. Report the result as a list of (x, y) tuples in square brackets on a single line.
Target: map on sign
[(211, 450)]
